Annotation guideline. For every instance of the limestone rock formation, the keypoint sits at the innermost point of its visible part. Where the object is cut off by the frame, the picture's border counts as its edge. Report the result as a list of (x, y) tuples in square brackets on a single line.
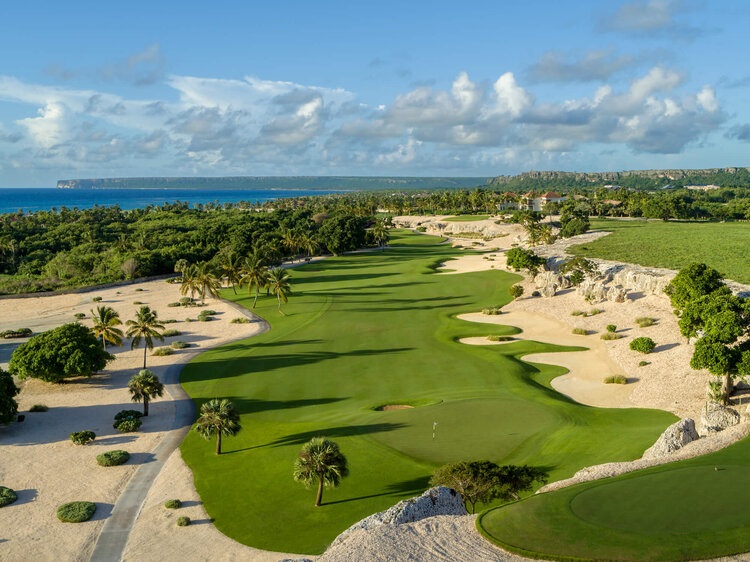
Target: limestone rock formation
[(435, 501), (674, 438), (716, 417)]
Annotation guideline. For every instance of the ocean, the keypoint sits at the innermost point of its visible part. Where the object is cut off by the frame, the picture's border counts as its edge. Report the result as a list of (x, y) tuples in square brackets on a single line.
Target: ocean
[(45, 199)]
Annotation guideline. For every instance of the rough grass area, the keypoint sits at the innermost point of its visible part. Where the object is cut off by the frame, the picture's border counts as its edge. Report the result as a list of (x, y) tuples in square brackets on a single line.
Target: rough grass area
[(680, 511), (674, 245), (372, 329), (466, 218)]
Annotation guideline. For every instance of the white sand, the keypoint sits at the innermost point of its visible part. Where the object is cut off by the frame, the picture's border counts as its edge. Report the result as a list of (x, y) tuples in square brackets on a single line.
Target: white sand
[(39, 462)]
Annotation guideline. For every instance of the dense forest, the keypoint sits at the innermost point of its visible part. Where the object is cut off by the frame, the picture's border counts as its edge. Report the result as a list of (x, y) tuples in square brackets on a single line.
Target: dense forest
[(49, 250)]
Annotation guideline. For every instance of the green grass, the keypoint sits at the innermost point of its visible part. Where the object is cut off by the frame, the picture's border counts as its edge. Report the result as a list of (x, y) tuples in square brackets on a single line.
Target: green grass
[(363, 331), (680, 511), (466, 218), (673, 245)]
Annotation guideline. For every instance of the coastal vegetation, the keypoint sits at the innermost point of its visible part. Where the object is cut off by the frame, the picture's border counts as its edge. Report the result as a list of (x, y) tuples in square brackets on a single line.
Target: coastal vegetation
[(8, 404), (372, 329)]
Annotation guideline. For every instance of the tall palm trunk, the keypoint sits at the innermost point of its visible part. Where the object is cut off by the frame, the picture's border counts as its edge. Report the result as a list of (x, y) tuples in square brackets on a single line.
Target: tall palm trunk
[(319, 497), (218, 442), (145, 405), (145, 347)]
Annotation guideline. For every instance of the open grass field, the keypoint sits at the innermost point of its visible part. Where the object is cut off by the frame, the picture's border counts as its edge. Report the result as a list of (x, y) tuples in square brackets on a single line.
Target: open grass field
[(372, 329), (673, 245), (688, 510)]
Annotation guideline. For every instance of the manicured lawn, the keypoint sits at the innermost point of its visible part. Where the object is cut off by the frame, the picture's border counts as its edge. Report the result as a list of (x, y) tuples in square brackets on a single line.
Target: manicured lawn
[(371, 329), (466, 218), (682, 511), (673, 245)]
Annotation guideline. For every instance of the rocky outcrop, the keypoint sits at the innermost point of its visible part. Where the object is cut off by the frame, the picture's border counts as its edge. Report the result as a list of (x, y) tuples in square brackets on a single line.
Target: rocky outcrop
[(674, 438), (435, 501), (716, 417)]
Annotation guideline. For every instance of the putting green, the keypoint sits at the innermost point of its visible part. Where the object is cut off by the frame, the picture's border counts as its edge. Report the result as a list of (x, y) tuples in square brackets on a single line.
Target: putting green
[(681, 511), (379, 328)]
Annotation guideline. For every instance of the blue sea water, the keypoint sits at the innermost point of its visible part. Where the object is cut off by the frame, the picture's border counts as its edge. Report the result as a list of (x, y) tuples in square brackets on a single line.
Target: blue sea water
[(44, 199)]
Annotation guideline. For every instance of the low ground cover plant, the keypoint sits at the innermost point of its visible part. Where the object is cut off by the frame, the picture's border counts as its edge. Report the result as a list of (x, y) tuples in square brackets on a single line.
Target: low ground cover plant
[(127, 421), (580, 331), (162, 351), (7, 496), (180, 344), (170, 333), (616, 379), (240, 320), (643, 345), (608, 336), (173, 504), (492, 310), (20, 333), (82, 437), (645, 321), (499, 338), (76, 512), (113, 458), (183, 521), (38, 408)]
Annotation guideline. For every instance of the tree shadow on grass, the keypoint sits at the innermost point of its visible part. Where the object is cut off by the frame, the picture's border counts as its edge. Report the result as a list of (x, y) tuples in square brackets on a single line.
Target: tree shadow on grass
[(252, 406), (333, 432), (413, 487)]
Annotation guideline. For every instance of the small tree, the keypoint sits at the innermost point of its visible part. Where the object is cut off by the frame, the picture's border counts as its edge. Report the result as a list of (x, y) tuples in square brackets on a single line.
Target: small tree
[(695, 280), (518, 259), (8, 389), (577, 269), (69, 350), (144, 386), (516, 291), (218, 417), (320, 462)]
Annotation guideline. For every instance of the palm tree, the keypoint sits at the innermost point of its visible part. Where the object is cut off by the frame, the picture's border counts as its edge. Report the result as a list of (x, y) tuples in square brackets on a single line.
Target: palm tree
[(218, 417), (105, 320), (189, 280), (207, 282), (320, 462), (145, 386), (232, 269), (380, 233), (145, 327), (278, 284), (254, 274), (308, 243)]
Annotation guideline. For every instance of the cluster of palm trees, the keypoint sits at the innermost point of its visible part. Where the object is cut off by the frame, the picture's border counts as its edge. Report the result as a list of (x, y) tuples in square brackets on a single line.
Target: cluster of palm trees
[(145, 327)]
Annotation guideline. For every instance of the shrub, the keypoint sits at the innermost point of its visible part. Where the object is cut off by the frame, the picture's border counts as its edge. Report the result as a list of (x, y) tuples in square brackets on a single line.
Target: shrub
[(610, 336), (173, 504), (128, 425), (611, 328), (580, 331), (173, 304), (421, 229), (79, 316), (82, 437), (209, 312), (38, 408), (643, 345), (139, 290), (594, 311), (187, 301), (515, 291), (7, 496), (180, 344), (183, 521), (97, 299), (76, 512), (137, 302), (499, 338), (113, 458), (578, 313), (241, 320), (128, 415), (20, 333), (169, 321), (162, 351), (645, 321), (536, 294), (616, 379), (205, 316), (170, 333), (643, 363), (492, 310)]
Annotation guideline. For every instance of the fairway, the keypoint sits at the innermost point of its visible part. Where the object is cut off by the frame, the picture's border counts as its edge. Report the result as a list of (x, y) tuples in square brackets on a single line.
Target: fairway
[(672, 245), (372, 329), (682, 511)]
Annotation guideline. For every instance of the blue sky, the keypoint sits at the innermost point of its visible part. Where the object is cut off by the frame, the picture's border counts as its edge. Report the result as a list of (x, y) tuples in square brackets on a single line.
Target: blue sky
[(477, 88)]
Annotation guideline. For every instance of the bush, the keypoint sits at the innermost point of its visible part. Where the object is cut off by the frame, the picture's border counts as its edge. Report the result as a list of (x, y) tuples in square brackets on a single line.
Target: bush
[(162, 351), (536, 294), (645, 321), (643, 345), (82, 437), (128, 425), (79, 316), (7, 496), (113, 458), (580, 331), (499, 338), (611, 328), (169, 321), (173, 504), (20, 333), (171, 333), (97, 299), (421, 229), (128, 415), (209, 312), (187, 301), (492, 310), (180, 344), (204, 316), (610, 336), (241, 320), (183, 521), (616, 379), (139, 290), (516, 291), (594, 311), (643, 363), (76, 512), (578, 313), (173, 305), (38, 408), (137, 302)]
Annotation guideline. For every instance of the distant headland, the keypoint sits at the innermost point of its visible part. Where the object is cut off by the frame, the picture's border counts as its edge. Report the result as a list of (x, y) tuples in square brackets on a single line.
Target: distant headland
[(343, 183)]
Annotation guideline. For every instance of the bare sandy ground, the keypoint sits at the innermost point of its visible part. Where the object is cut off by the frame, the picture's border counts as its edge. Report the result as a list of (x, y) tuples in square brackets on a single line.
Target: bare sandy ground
[(46, 469)]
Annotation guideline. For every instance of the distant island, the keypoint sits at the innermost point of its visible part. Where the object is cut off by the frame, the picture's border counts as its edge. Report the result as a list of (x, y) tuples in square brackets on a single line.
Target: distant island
[(344, 183)]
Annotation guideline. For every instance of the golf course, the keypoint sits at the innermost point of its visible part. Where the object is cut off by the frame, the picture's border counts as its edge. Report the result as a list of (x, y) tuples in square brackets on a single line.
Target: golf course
[(374, 329)]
